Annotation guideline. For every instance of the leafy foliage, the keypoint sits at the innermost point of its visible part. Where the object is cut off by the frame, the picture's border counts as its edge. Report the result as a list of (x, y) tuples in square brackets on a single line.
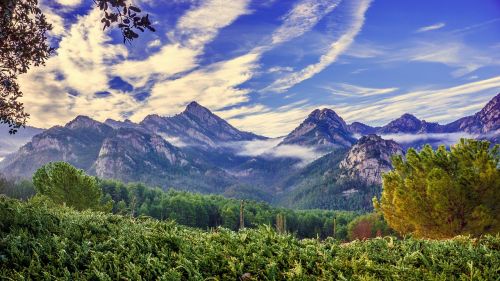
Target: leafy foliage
[(126, 16), (442, 193), (38, 242), (66, 185), (23, 42)]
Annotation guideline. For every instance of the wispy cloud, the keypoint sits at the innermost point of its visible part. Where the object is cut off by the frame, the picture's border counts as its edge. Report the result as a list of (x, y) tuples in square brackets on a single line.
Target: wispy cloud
[(445, 138), (304, 16), (336, 48), (465, 99), (354, 90), (435, 26)]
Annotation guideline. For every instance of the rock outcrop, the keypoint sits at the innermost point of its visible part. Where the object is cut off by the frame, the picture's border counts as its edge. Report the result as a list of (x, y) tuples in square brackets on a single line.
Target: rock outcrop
[(369, 158)]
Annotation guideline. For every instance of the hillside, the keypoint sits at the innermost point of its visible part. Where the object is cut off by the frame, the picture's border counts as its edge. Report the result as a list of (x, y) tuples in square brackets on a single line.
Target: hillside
[(57, 243)]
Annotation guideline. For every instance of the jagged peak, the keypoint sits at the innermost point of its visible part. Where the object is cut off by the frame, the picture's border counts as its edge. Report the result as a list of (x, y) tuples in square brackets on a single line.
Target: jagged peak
[(408, 116), (83, 121), (195, 108), (324, 114)]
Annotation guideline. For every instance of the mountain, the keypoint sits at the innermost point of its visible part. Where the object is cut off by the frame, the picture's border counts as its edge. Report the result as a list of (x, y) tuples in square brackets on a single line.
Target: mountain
[(198, 151), (485, 124), (369, 158), (126, 153), (77, 143), (361, 129), (196, 125), (10, 143), (321, 128), (409, 124), (486, 121)]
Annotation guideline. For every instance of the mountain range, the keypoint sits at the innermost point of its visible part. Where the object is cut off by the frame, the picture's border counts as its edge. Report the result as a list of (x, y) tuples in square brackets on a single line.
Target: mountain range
[(198, 151)]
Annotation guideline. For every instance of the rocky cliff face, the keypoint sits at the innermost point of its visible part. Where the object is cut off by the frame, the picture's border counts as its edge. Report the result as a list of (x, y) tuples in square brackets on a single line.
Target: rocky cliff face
[(130, 155), (321, 128), (369, 158)]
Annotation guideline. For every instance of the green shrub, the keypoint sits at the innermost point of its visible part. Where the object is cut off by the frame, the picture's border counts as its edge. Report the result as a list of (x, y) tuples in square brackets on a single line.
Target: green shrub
[(39, 242)]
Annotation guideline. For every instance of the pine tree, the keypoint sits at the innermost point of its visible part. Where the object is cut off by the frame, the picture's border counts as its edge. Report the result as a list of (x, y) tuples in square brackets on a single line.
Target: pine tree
[(442, 193), (67, 185)]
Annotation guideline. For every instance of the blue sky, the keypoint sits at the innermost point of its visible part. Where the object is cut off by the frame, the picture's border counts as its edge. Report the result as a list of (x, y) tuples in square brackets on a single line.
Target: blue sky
[(264, 65)]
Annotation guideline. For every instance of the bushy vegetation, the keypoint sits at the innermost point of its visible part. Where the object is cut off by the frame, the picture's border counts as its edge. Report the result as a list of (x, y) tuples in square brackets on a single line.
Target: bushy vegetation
[(442, 193), (39, 242)]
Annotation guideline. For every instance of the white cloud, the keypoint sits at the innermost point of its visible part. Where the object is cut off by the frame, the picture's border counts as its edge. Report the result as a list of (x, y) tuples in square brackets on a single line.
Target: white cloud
[(79, 67), (274, 122), (69, 3), (304, 16), (444, 138), (214, 86), (269, 148), (365, 50), (201, 24), (432, 104), (431, 27), (354, 90), (336, 48), (278, 69), (154, 43)]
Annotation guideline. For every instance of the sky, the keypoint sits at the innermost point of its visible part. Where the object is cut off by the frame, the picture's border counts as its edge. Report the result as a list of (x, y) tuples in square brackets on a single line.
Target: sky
[(264, 65)]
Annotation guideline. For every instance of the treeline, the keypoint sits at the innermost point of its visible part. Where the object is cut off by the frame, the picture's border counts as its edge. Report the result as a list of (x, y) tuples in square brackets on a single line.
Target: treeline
[(209, 211), (205, 211)]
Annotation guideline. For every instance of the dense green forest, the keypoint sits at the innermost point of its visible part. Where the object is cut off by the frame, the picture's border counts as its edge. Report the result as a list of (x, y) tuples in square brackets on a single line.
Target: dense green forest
[(40, 242), (205, 211)]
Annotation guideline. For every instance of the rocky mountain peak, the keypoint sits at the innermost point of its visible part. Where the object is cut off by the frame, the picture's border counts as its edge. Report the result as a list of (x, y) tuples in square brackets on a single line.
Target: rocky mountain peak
[(407, 123), (194, 108), (85, 122), (369, 158), (326, 115), (322, 127)]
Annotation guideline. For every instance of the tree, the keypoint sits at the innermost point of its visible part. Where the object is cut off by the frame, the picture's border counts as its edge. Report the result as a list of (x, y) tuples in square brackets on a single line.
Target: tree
[(67, 185), (442, 193), (368, 226), (23, 43)]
